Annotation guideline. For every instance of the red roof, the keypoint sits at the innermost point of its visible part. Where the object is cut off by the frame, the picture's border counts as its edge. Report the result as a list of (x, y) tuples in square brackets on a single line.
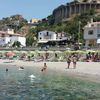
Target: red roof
[(5, 33), (95, 23), (2, 32)]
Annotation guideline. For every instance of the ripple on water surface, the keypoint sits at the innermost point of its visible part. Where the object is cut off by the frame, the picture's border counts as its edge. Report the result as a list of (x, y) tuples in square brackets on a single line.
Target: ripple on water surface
[(17, 85)]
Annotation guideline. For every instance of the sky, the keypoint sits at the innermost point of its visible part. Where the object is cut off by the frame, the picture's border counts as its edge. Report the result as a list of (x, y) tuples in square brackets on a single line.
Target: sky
[(29, 8)]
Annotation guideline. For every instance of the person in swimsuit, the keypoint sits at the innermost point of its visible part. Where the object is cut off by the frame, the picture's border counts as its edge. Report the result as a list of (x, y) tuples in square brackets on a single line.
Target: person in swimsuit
[(68, 61), (44, 68), (74, 60)]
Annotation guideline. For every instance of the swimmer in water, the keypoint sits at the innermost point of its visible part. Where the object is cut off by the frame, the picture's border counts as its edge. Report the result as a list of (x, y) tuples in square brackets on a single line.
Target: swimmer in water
[(44, 68), (6, 69), (21, 68)]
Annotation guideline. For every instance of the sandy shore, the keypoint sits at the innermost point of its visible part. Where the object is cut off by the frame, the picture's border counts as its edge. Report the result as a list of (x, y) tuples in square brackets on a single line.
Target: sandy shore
[(84, 70)]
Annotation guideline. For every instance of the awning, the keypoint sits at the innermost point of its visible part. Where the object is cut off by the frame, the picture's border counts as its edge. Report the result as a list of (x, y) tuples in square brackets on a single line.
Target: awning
[(98, 40)]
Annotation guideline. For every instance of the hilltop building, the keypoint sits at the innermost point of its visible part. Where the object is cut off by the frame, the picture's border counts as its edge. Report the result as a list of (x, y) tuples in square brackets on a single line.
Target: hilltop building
[(33, 22), (64, 12)]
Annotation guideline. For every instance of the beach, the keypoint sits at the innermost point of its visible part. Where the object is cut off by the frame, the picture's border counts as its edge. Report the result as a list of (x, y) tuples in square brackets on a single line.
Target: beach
[(84, 70)]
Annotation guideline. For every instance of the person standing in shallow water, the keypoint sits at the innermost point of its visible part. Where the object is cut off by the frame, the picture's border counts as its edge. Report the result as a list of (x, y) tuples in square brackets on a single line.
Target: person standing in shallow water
[(44, 67), (68, 61), (74, 60)]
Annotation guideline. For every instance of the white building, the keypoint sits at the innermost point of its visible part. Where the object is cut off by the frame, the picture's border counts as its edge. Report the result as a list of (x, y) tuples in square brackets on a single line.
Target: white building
[(10, 37), (46, 36), (92, 33)]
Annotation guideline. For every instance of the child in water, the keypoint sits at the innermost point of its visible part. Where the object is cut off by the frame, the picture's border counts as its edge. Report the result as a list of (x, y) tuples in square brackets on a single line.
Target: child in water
[(44, 68)]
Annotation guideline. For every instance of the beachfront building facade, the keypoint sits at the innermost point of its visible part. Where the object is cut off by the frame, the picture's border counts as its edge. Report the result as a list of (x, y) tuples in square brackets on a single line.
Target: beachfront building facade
[(51, 37), (92, 34), (64, 12), (9, 37)]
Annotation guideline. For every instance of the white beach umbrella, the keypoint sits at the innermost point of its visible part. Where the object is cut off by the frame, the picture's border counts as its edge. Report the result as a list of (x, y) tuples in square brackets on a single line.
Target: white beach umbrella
[(41, 51), (87, 51), (58, 52), (50, 51), (68, 51)]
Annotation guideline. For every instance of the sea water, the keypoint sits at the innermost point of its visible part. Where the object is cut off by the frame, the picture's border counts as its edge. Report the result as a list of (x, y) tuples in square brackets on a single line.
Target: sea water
[(18, 84)]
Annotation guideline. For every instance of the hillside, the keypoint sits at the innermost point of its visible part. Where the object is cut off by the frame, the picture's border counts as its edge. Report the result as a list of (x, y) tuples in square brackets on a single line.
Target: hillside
[(15, 21), (71, 27)]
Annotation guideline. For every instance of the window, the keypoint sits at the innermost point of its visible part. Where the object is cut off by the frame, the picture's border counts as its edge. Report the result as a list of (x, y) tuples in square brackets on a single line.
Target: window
[(90, 32), (98, 35), (40, 38), (40, 33)]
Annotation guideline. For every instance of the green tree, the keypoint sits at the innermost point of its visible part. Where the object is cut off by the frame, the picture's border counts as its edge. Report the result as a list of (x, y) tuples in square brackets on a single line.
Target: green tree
[(31, 37)]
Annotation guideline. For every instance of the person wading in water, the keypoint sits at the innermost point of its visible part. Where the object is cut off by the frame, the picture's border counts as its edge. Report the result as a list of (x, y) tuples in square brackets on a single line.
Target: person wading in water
[(74, 60), (68, 61), (44, 67)]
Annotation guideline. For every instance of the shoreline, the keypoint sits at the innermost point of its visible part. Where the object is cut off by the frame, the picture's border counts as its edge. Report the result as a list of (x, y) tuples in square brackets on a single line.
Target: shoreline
[(84, 70)]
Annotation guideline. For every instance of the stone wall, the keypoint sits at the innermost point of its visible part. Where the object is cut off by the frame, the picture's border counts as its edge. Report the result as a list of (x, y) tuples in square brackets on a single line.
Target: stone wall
[(64, 12)]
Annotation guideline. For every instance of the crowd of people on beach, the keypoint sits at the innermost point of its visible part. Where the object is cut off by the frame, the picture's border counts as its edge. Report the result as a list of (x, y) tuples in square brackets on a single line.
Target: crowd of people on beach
[(92, 57), (68, 58), (56, 57)]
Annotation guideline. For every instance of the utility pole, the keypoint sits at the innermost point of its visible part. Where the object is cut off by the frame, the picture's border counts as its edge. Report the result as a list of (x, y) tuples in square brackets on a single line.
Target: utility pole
[(79, 31)]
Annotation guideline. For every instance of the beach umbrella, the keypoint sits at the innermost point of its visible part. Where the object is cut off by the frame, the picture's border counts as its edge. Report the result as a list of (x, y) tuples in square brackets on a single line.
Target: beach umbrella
[(41, 51), (49, 51), (68, 51), (3, 51), (36, 52), (87, 51), (10, 54), (97, 51), (30, 53), (79, 51), (58, 52), (16, 51)]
